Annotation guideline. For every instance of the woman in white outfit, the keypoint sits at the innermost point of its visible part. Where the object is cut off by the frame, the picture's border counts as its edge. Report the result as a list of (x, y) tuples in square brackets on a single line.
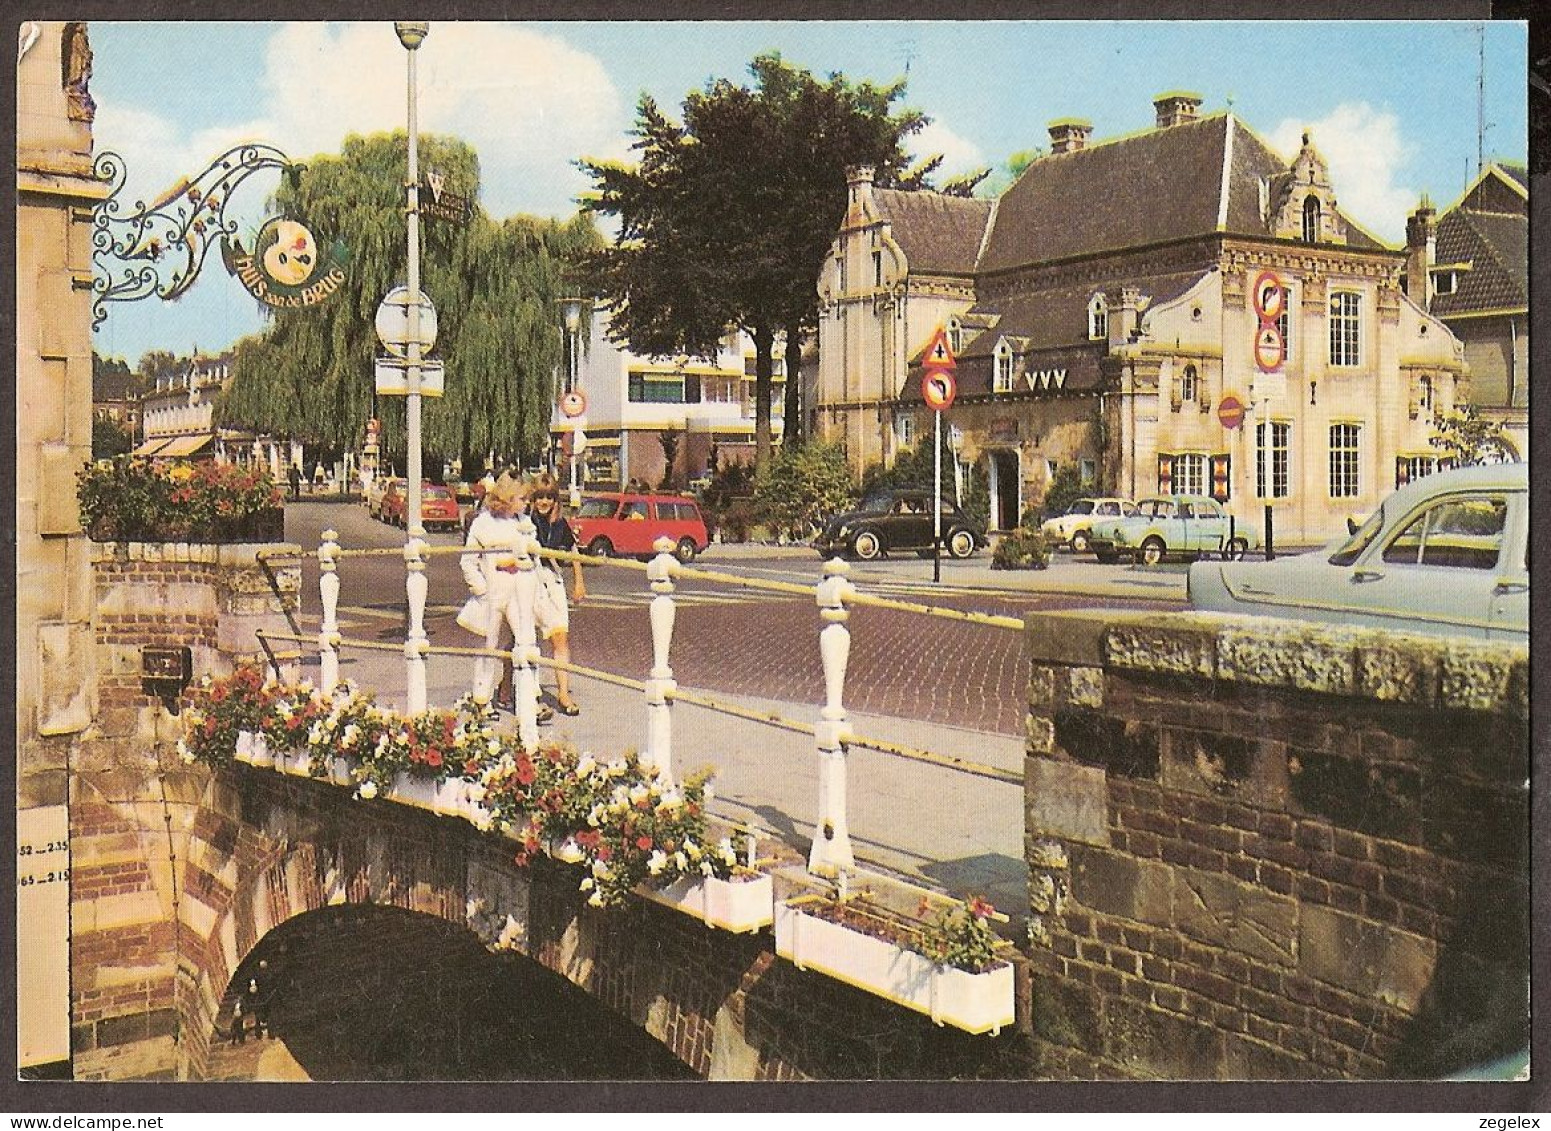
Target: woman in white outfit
[(493, 576)]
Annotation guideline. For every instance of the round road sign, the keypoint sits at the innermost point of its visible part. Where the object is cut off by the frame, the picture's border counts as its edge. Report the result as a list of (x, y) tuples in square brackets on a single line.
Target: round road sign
[(1268, 348), (1230, 411), (1269, 296), (392, 322), (939, 389), (573, 404)]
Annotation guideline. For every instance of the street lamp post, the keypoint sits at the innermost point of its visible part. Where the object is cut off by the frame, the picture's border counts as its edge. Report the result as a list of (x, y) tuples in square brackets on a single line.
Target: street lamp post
[(412, 34), (571, 310)]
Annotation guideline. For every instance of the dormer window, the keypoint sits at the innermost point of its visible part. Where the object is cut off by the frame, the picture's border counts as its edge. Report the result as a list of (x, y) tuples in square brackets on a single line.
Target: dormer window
[(1311, 219), (955, 336), (1098, 319), (1002, 361), (1446, 282)]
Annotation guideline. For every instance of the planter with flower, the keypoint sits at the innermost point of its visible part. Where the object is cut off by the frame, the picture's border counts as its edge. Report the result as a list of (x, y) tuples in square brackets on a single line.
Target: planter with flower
[(225, 719), (949, 965), (630, 830), (130, 499)]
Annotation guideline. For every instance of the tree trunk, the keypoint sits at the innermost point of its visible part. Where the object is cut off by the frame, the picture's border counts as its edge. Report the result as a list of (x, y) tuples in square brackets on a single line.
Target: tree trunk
[(792, 431), (764, 365)]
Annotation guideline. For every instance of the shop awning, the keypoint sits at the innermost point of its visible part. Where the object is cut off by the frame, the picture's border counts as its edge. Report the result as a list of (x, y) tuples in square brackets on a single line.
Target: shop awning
[(183, 446), (153, 447)]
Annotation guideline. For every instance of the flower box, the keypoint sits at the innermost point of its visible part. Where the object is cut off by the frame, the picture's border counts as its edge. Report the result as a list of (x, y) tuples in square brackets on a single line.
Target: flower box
[(975, 1002), (411, 790), (253, 749), (296, 761), (739, 906)]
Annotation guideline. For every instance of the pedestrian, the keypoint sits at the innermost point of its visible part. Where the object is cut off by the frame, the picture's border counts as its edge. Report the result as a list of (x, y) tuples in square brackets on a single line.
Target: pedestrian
[(550, 608), (317, 477), (492, 575), (239, 1023), (250, 1006), (295, 476), (263, 997)]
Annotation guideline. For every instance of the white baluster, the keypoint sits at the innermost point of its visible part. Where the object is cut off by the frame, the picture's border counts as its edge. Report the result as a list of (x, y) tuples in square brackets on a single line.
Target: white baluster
[(415, 644), (525, 650), (661, 685), (328, 588), (831, 854)]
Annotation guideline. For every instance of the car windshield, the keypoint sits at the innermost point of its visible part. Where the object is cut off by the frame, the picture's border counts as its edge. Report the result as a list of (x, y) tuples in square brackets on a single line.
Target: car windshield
[(436, 492), (876, 504), (1352, 548), (1082, 506), (597, 508)]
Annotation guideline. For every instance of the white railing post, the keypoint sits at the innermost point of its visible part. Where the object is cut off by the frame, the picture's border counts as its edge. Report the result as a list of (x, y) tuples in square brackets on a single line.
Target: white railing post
[(416, 644), (831, 854), (525, 650), (661, 685), (328, 589)]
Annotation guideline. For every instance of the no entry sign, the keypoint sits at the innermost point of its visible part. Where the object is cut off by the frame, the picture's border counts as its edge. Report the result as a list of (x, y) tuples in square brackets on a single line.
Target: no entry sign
[(1230, 411)]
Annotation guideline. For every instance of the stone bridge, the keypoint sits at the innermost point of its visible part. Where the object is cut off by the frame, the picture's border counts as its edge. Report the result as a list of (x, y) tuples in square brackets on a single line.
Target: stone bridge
[(1256, 850)]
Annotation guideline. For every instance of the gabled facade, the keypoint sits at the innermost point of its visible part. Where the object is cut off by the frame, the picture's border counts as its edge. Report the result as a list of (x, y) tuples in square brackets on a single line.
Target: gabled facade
[(1470, 267), (1109, 311)]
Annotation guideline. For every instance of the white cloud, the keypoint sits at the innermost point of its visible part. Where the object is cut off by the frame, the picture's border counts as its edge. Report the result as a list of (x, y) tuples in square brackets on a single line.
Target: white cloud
[(959, 154), (1364, 149)]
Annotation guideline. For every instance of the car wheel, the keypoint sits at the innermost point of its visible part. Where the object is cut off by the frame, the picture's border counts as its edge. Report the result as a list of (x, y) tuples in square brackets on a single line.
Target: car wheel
[(961, 544), (1235, 550), (1107, 557), (1151, 552), (866, 546), (1080, 542), (686, 550), (601, 548)]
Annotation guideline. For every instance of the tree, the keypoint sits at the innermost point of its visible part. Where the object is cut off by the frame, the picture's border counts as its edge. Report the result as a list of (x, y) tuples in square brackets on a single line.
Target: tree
[(1467, 437), (160, 364), (110, 438), (802, 486), (728, 217), (494, 284)]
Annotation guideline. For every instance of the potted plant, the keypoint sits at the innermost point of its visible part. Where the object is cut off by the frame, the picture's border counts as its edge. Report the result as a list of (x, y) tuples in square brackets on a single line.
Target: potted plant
[(951, 966), (130, 499)]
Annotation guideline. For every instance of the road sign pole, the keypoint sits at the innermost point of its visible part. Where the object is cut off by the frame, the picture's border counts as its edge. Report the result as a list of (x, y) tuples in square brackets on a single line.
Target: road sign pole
[(1265, 463), (937, 496)]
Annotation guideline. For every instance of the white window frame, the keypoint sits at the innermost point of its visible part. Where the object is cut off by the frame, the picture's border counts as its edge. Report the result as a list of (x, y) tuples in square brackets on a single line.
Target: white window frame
[(1190, 474), (1189, 384), (1316, 213), (1281, 460), (955, 336), (905, 430), (1346, 329), (1001, 367), (1346, 452), (1098, 319)]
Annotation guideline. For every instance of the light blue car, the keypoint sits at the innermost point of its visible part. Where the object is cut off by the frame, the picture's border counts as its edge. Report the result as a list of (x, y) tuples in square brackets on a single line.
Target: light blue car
[(1447, 554), (1190, 525)]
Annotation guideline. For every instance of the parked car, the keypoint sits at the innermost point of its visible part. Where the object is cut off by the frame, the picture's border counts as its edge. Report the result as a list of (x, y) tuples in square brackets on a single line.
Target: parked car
[(1190, 525), (1072, 527), (899, 519), (627, 523), (375, 491), (438, 506), (1446, 554)]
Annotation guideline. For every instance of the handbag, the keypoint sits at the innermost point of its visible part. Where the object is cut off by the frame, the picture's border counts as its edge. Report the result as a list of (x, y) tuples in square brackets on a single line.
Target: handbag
[(475, 616)]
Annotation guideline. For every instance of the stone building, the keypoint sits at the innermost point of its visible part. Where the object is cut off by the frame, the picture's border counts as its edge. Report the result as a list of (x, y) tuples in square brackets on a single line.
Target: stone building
[(1103, 311), (55, 685), (1473, 261)]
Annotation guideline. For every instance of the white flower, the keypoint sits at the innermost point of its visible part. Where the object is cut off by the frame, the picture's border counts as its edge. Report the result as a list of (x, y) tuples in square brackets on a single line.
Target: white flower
[(706, 869), (367, 791), (600, 868), (595, 816), (692, 848), (657, 861), (315, 735), (569, 851), (352, 732), (585, 765), (727, 853), (638, 793), (595, 899), (586, 884), (680, 861), (185, 753)]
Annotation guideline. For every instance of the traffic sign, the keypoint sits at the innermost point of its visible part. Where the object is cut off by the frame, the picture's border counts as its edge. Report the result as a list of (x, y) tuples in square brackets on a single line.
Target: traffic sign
[(1268, 348), (1230, 411), (938, 388), (938, 354), (392, 322), (573, 404), (1269, 296)]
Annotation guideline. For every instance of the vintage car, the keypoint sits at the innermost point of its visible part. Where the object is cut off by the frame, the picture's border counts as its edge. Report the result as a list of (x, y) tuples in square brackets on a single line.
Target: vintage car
[(1447, 554), (1188, 525), (376, 489), (1071, 529), (629, 523), (438, 506), (899, 519)]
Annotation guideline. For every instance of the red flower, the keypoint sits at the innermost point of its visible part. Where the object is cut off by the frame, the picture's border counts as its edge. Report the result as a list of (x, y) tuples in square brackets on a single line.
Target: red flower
[(605, 853), (644, 843), (980, 908), (471, 766), (209, 727), (525, 771), (588, 838), (433, 758)]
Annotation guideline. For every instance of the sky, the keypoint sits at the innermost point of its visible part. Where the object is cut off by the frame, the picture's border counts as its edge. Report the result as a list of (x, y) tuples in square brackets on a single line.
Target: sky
[(1392, 105)]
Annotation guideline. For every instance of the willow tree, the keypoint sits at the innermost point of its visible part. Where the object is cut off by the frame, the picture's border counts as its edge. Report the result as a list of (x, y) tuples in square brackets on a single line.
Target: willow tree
[(494, 284)]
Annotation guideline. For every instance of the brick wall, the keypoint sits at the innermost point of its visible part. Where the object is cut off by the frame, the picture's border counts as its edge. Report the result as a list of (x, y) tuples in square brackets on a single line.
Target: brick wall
[(1263, 850)]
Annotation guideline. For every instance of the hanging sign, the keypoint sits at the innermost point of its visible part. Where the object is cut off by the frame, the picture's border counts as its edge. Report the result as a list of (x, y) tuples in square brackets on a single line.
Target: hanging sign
[(392, 322), (392, 375), (286, 269), (573, 404), (440, 202)]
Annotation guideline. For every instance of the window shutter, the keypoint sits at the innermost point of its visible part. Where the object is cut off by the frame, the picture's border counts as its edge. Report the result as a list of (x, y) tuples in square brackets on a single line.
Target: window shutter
[(1402, 471), (1221, 464), (1165, 473)]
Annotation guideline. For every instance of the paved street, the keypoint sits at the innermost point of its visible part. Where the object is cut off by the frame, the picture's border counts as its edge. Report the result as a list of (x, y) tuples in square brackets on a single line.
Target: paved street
[(951, 688)]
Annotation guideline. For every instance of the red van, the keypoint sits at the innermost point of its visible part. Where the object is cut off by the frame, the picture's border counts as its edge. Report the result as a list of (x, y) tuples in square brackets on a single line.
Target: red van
[(627, 523)]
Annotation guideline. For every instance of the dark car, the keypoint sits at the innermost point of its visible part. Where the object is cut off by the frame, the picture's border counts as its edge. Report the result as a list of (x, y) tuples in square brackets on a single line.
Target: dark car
[(899, 519)]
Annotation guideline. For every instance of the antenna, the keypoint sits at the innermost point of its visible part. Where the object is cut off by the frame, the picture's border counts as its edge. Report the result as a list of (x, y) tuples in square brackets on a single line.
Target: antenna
[(909, 48), (1480, 98)]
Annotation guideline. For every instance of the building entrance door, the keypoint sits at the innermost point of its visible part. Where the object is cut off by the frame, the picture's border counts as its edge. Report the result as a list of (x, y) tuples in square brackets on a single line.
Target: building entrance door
[(1006, 489)]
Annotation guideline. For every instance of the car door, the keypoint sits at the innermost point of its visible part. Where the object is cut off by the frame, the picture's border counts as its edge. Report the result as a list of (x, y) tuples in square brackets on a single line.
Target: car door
[(1206, 528), (908, 525), (1509, 612), (1441, 567)]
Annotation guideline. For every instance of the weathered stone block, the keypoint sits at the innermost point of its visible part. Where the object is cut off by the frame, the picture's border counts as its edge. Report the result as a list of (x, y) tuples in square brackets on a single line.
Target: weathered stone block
[(1167, 649), (1040, 732), (1248, 1059), (1086, 687), (1364, 957), (1042, 689), (1150, 1042), (1296, 656), (1066, 801), (1111, 883), (1071, 639), (1068, 1014), (1478, 677), (1239, 916), (1401, 670)]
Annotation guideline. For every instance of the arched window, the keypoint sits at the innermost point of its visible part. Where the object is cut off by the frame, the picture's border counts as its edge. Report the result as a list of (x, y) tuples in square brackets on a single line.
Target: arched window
[(1187, 384), (1003, 361), (1311, 219), (1098, 318), (955, 336)]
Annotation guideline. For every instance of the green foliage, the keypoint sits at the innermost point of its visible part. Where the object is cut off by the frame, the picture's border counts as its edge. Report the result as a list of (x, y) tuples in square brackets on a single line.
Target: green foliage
[(1021, 549), (1066, 487), (668, 439), (110, 438), (961, 936), (494, 284), (137, 500), (726, 501), (914, 467), (156, 364), (1467, 437), (801, 487)]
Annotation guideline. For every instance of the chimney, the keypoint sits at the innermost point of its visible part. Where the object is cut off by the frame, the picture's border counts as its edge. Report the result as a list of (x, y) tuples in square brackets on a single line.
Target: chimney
[(1176, 107), (1068, 135), (1421, 250), (859, 202)]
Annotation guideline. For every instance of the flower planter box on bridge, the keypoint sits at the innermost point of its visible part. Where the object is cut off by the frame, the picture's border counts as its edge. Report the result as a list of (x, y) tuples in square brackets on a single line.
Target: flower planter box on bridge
[(974, 1002), (740, 906)]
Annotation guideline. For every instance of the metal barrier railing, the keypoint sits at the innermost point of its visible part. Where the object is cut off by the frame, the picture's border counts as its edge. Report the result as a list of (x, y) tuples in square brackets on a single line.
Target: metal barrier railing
[(835, 595)]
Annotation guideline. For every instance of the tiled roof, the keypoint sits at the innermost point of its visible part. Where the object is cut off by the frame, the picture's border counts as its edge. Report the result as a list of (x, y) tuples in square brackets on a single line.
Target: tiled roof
[(1496, 246), (941, 234)]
